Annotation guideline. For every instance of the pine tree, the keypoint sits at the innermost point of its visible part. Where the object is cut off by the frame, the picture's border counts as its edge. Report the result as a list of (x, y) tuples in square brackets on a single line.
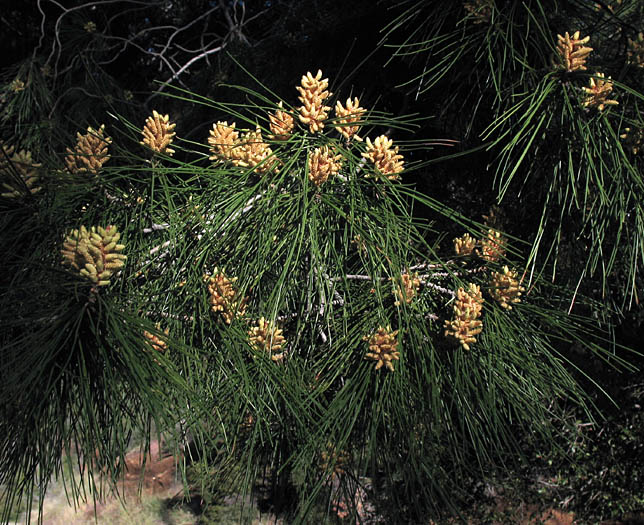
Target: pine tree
[(269, 285), (554, 91)]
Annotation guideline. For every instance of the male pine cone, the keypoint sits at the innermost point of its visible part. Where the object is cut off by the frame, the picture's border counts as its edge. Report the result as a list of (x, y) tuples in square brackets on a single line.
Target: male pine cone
[(94, 253)]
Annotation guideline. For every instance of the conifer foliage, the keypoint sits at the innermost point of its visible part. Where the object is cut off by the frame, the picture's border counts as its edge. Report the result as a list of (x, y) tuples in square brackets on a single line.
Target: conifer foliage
[(267, 286), (555, 92)]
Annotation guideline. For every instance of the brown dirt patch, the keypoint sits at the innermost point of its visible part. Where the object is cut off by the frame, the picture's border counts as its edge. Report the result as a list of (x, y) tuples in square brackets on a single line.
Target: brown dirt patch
[(153, 474)]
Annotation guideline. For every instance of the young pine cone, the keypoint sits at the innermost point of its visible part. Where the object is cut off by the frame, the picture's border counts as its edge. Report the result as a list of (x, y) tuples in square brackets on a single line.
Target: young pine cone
[(94, 253)]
